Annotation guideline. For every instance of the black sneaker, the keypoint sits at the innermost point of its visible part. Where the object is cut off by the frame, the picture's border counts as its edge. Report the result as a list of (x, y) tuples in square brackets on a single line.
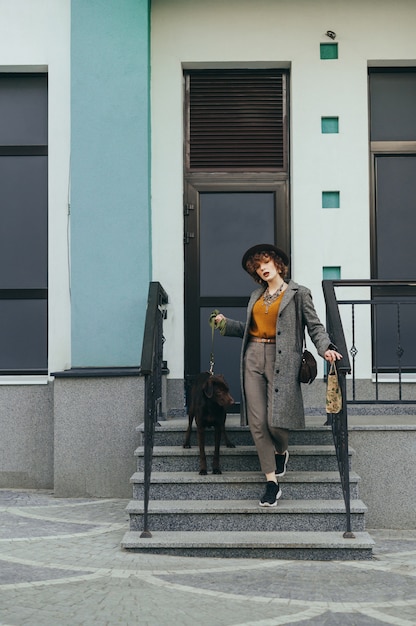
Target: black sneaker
[(281, 462), (271, 495)]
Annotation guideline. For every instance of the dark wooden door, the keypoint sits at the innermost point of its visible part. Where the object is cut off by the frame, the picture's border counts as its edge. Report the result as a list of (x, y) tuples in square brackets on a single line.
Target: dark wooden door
[(236, 173), (395, 217), (219, 226)]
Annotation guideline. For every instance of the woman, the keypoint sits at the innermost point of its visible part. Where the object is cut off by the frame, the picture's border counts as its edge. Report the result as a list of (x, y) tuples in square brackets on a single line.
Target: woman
[(273, 336)]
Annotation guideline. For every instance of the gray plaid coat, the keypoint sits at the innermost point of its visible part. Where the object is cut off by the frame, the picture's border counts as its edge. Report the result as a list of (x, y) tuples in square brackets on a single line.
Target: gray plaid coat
[(296, 312)]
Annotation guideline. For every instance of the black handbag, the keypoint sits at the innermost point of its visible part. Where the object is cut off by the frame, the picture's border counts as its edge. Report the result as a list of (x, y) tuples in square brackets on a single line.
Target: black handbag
[(308, 368)]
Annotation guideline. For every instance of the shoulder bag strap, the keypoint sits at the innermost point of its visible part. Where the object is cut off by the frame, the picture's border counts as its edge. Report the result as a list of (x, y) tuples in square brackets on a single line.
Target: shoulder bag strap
[(299, 322)]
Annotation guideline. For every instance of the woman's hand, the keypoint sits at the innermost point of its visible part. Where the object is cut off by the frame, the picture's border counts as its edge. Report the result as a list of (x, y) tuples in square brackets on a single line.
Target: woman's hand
[(332, 355), (219, 318)]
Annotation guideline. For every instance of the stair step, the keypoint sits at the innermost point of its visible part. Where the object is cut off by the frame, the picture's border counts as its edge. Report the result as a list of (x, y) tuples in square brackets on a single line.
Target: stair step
[(241, 485), (221, 515), (172, 433), (255, 544), (176, 459)]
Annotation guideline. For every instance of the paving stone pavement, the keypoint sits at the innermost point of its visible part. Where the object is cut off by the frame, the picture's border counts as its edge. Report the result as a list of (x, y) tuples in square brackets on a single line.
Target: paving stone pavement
[(61, 565)]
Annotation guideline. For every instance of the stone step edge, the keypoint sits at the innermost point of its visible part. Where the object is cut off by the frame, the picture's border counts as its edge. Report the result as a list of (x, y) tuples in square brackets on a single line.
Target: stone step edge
[(234, 507), (230, 425), (247, 539), (159, 451), (231, 478)]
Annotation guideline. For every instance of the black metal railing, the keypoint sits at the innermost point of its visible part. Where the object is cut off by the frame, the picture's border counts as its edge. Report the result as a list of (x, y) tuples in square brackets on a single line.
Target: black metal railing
[(391, 352), (390, 327), (151, 368), (340, 423)]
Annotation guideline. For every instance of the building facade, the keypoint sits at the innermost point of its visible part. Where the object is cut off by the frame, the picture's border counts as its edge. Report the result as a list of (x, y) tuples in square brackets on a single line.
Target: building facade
[(127, 196)]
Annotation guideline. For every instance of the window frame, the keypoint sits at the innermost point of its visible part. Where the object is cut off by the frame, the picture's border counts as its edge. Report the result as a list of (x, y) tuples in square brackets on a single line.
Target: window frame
[(40, 292)]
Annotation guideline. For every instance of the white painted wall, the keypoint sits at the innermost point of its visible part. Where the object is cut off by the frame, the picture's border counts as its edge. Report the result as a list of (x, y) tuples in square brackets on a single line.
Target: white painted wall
[(266, 32), (35, 36)]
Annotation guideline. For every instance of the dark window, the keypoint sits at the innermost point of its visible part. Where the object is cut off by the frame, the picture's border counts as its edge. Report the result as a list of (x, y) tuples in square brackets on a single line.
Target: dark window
[(236, 120), (23, 223), (393, 105)]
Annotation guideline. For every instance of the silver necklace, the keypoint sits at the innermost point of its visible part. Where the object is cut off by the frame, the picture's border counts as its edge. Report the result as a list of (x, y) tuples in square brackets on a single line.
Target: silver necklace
[(269, 298)]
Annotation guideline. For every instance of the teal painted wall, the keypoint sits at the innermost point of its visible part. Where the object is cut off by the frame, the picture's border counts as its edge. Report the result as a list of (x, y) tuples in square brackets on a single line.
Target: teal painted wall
[(110, 180)]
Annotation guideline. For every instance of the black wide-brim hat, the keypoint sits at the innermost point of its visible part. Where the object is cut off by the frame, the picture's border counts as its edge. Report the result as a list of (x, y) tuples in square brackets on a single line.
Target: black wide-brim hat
[(264, 247)]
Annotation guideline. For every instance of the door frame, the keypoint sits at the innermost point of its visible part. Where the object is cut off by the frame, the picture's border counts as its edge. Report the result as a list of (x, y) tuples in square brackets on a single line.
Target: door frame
[(277, 183), (379, 149)]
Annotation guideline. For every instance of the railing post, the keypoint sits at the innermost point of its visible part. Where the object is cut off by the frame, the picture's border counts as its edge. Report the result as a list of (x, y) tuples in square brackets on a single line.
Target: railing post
[(151, 368), (148, 453), (339, 424)]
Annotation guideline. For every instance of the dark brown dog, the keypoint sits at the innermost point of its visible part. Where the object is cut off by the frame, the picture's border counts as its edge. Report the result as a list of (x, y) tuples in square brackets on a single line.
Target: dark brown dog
[(210, 397)]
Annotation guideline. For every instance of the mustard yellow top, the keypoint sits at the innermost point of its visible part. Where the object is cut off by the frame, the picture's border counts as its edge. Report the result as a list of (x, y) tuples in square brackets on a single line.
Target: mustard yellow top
[(263, 319)]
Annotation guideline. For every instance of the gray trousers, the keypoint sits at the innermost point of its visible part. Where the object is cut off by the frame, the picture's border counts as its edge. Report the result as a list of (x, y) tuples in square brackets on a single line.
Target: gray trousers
[(258, 384)]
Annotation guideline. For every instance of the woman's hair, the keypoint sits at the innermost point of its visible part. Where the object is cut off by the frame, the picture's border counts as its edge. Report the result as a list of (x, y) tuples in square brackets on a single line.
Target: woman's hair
[(253, 263)]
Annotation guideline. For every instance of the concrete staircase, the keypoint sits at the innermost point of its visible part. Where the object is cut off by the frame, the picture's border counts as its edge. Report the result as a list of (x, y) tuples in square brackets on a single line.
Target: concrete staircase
[(219, 515)]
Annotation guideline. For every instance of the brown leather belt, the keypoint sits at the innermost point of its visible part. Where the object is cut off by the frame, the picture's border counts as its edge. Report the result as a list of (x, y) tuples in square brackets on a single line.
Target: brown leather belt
[(262, 340)]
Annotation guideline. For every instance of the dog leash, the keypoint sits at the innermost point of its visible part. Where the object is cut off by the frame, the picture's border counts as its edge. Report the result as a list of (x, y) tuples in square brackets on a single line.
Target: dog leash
[(221, 327), (211, 356)]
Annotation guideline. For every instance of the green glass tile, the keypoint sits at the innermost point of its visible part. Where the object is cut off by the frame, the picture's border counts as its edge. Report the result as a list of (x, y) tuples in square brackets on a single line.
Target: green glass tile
[(330, 200), (329, 51), (329, 125), (331, 273)]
